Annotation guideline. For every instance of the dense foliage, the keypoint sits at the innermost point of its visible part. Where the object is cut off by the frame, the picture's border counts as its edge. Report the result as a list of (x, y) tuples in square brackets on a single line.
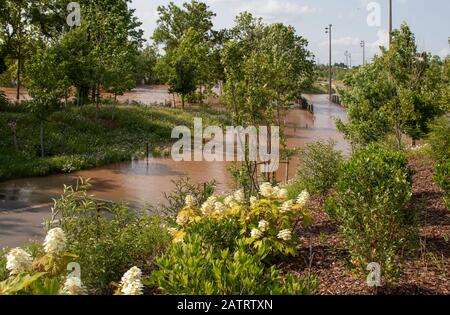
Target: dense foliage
[(371, 208), (76, 140), (318, 168), (401, 92), (108, 239), (196, 268), (439, 139)]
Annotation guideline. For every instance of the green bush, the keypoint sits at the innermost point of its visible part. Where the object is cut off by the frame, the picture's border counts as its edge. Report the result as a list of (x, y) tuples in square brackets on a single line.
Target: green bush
[(439, 139), (182, 188), (318, 168), (196, 268), (370, 206), (218, 233), (107, 238)]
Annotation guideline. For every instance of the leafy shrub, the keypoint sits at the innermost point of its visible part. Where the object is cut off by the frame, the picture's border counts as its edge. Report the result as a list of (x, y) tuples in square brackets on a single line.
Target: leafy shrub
[(318, 168), (108, 239), (439, 139), (40, 270), (220, 234), (267, 225), (184, 187), (196, 268), (370, 206)]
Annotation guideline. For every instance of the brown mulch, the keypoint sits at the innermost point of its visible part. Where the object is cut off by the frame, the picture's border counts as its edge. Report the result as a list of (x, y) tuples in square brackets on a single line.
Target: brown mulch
[(425, 272)]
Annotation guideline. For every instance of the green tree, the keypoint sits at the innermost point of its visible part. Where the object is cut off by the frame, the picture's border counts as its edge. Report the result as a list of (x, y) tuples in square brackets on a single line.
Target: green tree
[(266, 67), (175, 21), (401, 92)]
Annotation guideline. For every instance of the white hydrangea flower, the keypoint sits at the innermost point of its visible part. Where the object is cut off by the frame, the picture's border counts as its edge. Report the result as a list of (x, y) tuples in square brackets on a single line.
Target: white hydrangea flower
[(182, 219), (229, 201), (133, 288), (189, 201), (285, 235), (18, 261), (282, 194), (266, 190), (287, 206), (208, 206), (131, 283), (219, 207), (253, 200), (73, 286), (263, 225), (55, 242), (255, 233), (303, 198), (239, 196)]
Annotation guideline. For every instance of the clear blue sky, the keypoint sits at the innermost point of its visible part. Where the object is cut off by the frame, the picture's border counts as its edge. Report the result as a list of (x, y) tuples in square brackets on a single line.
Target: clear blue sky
[(429, 20)]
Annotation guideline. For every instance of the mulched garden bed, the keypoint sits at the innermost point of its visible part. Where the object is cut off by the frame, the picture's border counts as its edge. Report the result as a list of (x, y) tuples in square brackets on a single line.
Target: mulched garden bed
[(426, 272)]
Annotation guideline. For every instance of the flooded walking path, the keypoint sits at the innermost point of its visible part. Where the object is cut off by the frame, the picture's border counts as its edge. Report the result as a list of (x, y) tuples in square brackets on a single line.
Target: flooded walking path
[(25, 202)]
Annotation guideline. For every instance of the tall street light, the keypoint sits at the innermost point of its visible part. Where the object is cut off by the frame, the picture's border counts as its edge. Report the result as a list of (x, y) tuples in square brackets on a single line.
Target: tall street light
[(390, 22), (328, 31), (363, 46)]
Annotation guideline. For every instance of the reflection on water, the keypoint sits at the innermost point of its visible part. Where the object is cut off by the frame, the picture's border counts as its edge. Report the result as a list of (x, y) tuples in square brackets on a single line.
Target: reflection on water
[(139, 182)]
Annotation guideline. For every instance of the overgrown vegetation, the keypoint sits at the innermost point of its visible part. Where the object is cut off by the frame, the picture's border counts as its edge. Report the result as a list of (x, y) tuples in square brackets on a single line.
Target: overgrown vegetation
[(439, 139), (400, 93), (318, 167), (371, 208), (74, 139), (108, 239)]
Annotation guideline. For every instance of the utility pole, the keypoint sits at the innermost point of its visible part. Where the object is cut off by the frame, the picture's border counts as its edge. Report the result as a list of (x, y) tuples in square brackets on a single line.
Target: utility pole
[(328, 31), (346, 58), (350, 57), (363, 46), (390, 22)]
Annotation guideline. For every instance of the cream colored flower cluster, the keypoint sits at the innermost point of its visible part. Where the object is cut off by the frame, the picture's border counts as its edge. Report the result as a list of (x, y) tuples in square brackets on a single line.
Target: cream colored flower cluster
[(267, 191), (131, 282), (18, 261), (55, 242), (73, 286)]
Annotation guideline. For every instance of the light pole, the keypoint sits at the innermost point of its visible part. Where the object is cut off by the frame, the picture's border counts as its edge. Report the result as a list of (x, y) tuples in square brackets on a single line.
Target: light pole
[(390, 22), (346, 57), (363, 46), (350, 57), (328, 31)]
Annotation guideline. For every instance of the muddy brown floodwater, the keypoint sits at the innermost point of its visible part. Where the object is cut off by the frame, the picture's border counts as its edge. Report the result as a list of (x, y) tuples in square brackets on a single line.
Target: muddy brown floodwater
[(25, 202)]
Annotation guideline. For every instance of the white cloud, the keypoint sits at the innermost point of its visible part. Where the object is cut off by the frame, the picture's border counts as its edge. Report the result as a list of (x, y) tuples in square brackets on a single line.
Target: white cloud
[(270, 9), (382, 40), (444, 52), (342, 41)]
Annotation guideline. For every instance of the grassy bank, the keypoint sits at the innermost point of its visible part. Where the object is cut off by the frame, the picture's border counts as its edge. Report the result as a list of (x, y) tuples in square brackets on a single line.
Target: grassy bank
[(75, 139)]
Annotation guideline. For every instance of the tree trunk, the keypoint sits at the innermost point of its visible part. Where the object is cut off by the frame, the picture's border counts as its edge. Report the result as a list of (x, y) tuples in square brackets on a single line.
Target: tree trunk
[(42, 138), (182, 101), (19, 57)]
